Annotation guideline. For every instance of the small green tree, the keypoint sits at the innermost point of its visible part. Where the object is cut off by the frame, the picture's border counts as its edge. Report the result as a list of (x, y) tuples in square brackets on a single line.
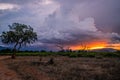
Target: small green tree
[(19, 35)]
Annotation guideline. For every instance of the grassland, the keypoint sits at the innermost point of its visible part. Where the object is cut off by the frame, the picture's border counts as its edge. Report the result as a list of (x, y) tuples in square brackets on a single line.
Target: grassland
[(65, 65), (64, 68), (69, 54)]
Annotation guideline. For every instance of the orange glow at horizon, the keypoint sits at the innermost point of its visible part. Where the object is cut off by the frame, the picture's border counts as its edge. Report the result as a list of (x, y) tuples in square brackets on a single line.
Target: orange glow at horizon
[(96, 45), (114, 46), (99, 47), (91, 45)]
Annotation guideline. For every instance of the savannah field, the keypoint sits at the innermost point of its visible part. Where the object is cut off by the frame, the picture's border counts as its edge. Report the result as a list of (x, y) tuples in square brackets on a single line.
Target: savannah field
[(59, 67)]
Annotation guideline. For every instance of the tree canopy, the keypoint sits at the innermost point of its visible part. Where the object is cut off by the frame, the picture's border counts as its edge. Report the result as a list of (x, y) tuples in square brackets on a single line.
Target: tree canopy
[(19, 34)]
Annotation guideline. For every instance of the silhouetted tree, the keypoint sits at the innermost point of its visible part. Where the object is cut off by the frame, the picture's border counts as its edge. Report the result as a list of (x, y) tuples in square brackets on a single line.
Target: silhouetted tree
[(84, 46), (18, 34), (61, 47)]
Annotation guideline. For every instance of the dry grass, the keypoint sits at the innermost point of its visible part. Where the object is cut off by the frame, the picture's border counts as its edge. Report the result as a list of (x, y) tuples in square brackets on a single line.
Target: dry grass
[(64, 68)]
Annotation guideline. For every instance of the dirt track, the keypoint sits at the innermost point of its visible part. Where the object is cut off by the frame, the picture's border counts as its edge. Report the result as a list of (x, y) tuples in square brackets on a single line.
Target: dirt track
[(9, 74), (5, 73), (4, 57)]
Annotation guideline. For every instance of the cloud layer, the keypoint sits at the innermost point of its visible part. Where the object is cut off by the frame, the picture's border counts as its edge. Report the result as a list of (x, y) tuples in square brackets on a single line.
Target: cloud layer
[(67, 22)]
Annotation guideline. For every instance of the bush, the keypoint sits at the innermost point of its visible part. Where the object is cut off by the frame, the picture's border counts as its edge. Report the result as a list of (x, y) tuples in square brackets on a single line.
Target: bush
[(69, 54)]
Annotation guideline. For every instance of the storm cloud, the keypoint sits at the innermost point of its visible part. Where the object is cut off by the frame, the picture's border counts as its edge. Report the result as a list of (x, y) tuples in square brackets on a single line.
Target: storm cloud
[(67, 22)]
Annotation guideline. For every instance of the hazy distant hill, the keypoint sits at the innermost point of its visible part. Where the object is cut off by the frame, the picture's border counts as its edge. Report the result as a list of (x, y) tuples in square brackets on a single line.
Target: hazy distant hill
[(105, 50), (1, 48)]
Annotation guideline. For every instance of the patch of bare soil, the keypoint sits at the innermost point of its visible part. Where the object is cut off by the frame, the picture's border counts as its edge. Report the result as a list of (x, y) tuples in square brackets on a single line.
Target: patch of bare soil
[(5, 73), (64, 68)]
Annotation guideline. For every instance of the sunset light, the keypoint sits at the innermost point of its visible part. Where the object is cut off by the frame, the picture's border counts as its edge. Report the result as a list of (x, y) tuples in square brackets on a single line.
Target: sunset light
[(87, 48), (97, 47), (90, 45)]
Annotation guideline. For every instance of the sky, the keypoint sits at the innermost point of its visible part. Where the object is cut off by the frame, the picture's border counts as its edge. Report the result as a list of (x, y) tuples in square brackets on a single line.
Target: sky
[(68, 23)]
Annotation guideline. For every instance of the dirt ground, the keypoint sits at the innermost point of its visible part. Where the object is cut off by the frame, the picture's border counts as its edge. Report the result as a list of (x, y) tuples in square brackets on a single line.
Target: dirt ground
[(62, 68), (5, 73)]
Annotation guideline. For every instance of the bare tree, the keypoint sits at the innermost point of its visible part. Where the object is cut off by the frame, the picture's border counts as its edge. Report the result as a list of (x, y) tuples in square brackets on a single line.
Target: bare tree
[(84, 46), (61, 47)]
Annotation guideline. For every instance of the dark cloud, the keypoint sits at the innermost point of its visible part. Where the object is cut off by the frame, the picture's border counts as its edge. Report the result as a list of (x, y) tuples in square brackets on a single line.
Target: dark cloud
[(115, 38), (105, 12), (66, 21), (67, 32)]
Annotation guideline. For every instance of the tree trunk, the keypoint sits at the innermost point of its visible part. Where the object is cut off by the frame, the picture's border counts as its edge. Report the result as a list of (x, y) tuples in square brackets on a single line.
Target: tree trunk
[(13, 56)]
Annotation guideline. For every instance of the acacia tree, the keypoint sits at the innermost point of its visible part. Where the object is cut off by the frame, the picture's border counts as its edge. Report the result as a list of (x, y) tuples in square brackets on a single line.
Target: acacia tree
[(19, 35)]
